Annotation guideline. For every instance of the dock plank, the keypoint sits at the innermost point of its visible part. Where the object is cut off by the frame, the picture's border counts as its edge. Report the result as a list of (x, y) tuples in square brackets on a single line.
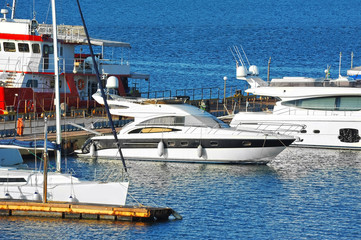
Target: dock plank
[(77, 210)]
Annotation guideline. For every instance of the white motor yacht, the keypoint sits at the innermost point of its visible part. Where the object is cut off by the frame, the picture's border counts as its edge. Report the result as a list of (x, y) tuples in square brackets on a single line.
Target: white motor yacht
[(170, 130), (326, 113)]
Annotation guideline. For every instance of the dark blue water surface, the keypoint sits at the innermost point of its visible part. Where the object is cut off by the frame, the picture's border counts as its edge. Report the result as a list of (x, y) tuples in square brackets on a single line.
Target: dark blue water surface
[(302, 194)]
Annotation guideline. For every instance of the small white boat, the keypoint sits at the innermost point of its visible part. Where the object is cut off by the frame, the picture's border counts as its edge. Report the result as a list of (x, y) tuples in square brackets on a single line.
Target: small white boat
[(170, 130), (28, 185)]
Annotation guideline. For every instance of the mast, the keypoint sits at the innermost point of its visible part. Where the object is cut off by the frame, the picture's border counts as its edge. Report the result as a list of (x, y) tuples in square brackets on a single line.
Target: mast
[(57, 90), (13, 9), (45, 178)]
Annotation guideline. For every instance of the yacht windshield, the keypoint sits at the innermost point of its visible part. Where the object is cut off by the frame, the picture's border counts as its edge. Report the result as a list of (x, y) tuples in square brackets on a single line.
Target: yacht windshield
[(190, 120)]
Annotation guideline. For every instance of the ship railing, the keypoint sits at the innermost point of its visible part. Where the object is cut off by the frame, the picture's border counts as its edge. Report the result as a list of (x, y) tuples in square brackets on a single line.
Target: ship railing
[(270, 127), (317, 112), (68, 33), (321, 83), (68, 65)]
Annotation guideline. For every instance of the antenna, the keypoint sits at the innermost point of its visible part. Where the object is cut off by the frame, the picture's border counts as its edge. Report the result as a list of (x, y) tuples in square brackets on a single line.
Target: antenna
[(239, 55), (233, 55), (245, 56), (339, 66)]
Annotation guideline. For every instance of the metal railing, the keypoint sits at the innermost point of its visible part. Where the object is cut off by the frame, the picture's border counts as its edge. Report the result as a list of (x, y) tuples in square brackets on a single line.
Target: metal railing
[(194, 93)]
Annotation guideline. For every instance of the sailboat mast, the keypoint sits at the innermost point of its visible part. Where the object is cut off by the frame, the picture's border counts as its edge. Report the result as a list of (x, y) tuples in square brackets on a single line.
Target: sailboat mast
[(45, 178), (57, 90)]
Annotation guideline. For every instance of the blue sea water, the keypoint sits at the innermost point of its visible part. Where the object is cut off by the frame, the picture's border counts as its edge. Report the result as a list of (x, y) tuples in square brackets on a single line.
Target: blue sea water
[(302, 194)]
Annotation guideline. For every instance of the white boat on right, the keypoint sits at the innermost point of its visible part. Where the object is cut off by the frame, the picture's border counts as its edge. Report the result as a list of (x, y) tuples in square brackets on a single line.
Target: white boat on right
[(323, 113)]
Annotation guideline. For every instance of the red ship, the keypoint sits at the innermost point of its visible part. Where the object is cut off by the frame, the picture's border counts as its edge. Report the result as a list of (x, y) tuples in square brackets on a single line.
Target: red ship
[(27, 69)]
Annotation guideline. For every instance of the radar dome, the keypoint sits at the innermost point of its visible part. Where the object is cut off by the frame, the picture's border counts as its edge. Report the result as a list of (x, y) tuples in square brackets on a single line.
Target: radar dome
[(241, 72), (253, 69), (112, 82)]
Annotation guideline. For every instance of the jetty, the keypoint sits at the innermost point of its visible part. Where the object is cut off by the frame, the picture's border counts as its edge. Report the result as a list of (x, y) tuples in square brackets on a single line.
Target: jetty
[(9, 207)]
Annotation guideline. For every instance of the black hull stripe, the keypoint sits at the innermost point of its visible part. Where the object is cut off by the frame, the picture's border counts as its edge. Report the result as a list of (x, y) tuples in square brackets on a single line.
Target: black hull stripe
[(193, 143)]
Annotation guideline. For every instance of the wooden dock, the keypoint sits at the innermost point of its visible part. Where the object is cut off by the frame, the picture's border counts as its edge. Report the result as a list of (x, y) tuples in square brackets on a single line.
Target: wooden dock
[(9, 207)]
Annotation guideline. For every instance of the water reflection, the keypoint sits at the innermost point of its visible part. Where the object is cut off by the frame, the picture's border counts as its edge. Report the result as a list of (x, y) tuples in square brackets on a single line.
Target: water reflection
[(299, 162), (30, 227), (291, 164)]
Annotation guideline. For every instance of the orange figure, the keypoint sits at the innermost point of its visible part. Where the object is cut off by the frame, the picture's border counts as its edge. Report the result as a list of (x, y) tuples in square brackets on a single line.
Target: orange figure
[(20, 127)]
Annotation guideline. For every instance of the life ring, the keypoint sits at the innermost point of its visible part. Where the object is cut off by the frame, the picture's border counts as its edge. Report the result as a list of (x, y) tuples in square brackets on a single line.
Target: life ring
[(30, 106), (81, 84)]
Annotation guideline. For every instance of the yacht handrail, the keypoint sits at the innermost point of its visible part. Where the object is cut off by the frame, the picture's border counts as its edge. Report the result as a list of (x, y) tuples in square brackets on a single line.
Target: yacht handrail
[(308, 112), (273, 127)]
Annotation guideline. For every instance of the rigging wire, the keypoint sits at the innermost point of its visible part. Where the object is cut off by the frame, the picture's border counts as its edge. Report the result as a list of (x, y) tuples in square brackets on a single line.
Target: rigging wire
[(101, 88), (47, 12)]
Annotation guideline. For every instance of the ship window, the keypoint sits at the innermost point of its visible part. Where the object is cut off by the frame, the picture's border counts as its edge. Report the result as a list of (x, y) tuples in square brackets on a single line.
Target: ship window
[(153, 130), (156, 130), (170, 121), (32, 83), (23, 47), (214, 143), (246, 143), (46, 49), (36, 48), (135, 131), (9, 47), (184, 143), (316, 131), (171, 144), (12, 180), (349, 103), (303, 131), (51, 49)]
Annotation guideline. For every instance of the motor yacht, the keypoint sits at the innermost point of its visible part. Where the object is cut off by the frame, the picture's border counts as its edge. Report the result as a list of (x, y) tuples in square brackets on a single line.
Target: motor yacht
[(171, 130), (322, 113)]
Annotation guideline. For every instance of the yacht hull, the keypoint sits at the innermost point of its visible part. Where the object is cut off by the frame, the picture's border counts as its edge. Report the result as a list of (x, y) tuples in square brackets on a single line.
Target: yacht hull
[(207, 155), (319, 131)]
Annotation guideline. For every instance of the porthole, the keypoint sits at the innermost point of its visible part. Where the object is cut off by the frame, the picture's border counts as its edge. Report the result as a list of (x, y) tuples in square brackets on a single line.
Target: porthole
[(246, 143), (184, 144), (316, 131), (171, 144), (303, 131), (214, 143)]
